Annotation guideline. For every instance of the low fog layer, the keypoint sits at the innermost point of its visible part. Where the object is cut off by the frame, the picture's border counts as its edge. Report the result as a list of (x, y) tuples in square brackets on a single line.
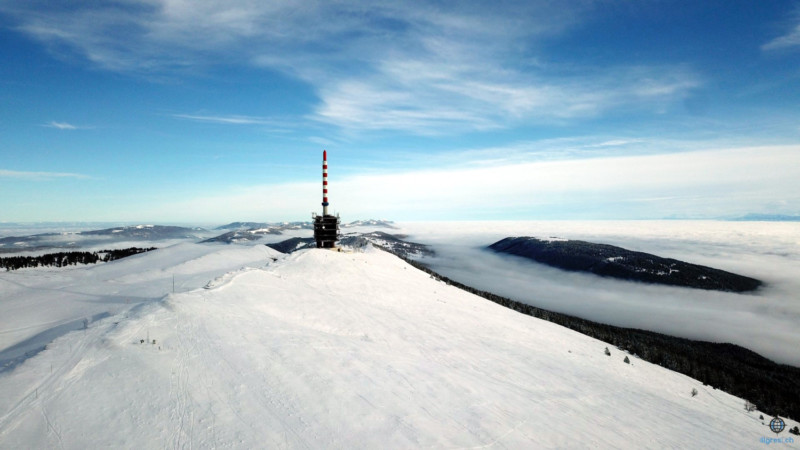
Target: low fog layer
[(766, 321)]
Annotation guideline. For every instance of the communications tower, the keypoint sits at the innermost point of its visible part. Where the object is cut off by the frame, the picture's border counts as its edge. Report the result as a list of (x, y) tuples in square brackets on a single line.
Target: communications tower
[(326, 226)]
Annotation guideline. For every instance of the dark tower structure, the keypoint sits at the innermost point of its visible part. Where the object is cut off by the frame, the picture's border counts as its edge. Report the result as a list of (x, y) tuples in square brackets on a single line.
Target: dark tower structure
[(326, 226)]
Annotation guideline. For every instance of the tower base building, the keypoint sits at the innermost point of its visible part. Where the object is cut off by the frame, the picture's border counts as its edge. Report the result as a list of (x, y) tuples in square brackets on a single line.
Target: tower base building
[(326, 230)]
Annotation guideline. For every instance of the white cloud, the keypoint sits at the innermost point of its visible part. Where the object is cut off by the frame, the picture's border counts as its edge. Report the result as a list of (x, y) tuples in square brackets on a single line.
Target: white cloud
[(231, 120), (321, 141), (61, 125), (789, 40), (704, 183), (433, 95), (709, 181), (421, 67), (38, 175), (616, 143)]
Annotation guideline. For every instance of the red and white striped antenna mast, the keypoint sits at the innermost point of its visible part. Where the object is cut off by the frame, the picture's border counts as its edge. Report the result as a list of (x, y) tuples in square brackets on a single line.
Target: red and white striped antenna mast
[(324, 182)]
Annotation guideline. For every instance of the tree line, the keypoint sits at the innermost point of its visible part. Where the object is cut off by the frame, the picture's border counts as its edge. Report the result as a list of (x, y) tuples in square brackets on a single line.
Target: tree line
[(736, 370), (63, 259)]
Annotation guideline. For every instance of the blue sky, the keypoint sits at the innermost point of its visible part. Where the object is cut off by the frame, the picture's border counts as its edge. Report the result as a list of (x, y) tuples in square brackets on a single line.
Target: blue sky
[(213, 111)]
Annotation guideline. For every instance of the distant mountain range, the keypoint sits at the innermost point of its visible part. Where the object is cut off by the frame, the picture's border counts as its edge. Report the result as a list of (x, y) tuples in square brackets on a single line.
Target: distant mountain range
[(252, 231), (616, 262), (308, 225), (233, 237), (146, 232), (238, 232), (81, 239), (276, 226), (371, 223), (766, 218)]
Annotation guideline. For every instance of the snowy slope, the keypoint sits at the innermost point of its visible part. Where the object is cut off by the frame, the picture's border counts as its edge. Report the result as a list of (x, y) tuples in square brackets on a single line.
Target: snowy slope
[(37, 305), (323, 349)]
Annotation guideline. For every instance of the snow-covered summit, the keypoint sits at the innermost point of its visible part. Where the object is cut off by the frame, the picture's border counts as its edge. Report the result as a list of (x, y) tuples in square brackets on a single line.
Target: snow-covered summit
[(320, 349)]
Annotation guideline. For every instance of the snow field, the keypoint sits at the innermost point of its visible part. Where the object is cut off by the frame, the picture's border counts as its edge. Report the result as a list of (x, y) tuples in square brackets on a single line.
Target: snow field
[(35, 302), (348, 350)]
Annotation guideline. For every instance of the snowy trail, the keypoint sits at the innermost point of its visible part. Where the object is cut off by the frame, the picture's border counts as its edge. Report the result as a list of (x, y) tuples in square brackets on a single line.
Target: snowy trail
[(336, 350)]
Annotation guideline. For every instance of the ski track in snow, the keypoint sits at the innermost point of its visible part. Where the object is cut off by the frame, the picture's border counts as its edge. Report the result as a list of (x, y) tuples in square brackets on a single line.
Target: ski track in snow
[(341, 350)]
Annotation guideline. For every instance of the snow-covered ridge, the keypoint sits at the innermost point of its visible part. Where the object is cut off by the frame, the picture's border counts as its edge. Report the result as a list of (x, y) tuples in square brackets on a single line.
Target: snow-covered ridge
[(341, 350), (617, 262)]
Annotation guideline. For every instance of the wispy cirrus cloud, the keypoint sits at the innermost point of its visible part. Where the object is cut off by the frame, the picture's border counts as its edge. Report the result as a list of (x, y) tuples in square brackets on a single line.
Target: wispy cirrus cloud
[(434, 97), (230, 120), (557, 149), (40, 176), (321, 141), (424, 68), (61, 125), (788, 40)]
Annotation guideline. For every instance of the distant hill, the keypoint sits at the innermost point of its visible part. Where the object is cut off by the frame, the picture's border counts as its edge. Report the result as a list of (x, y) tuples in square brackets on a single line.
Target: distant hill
[(146, 232), (253, 231), (243, 235), (394, 243), (616, 262), (371, 223), (242, 226), (766, 218), (279, 226), (23, 242), (293, 244)]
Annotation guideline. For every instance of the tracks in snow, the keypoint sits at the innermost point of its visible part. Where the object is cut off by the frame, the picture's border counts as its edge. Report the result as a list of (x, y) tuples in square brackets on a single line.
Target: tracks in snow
[(50, 387)]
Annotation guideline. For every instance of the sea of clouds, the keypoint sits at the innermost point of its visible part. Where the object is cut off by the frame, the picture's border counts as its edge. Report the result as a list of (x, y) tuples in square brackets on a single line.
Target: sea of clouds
[(766, 321)]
